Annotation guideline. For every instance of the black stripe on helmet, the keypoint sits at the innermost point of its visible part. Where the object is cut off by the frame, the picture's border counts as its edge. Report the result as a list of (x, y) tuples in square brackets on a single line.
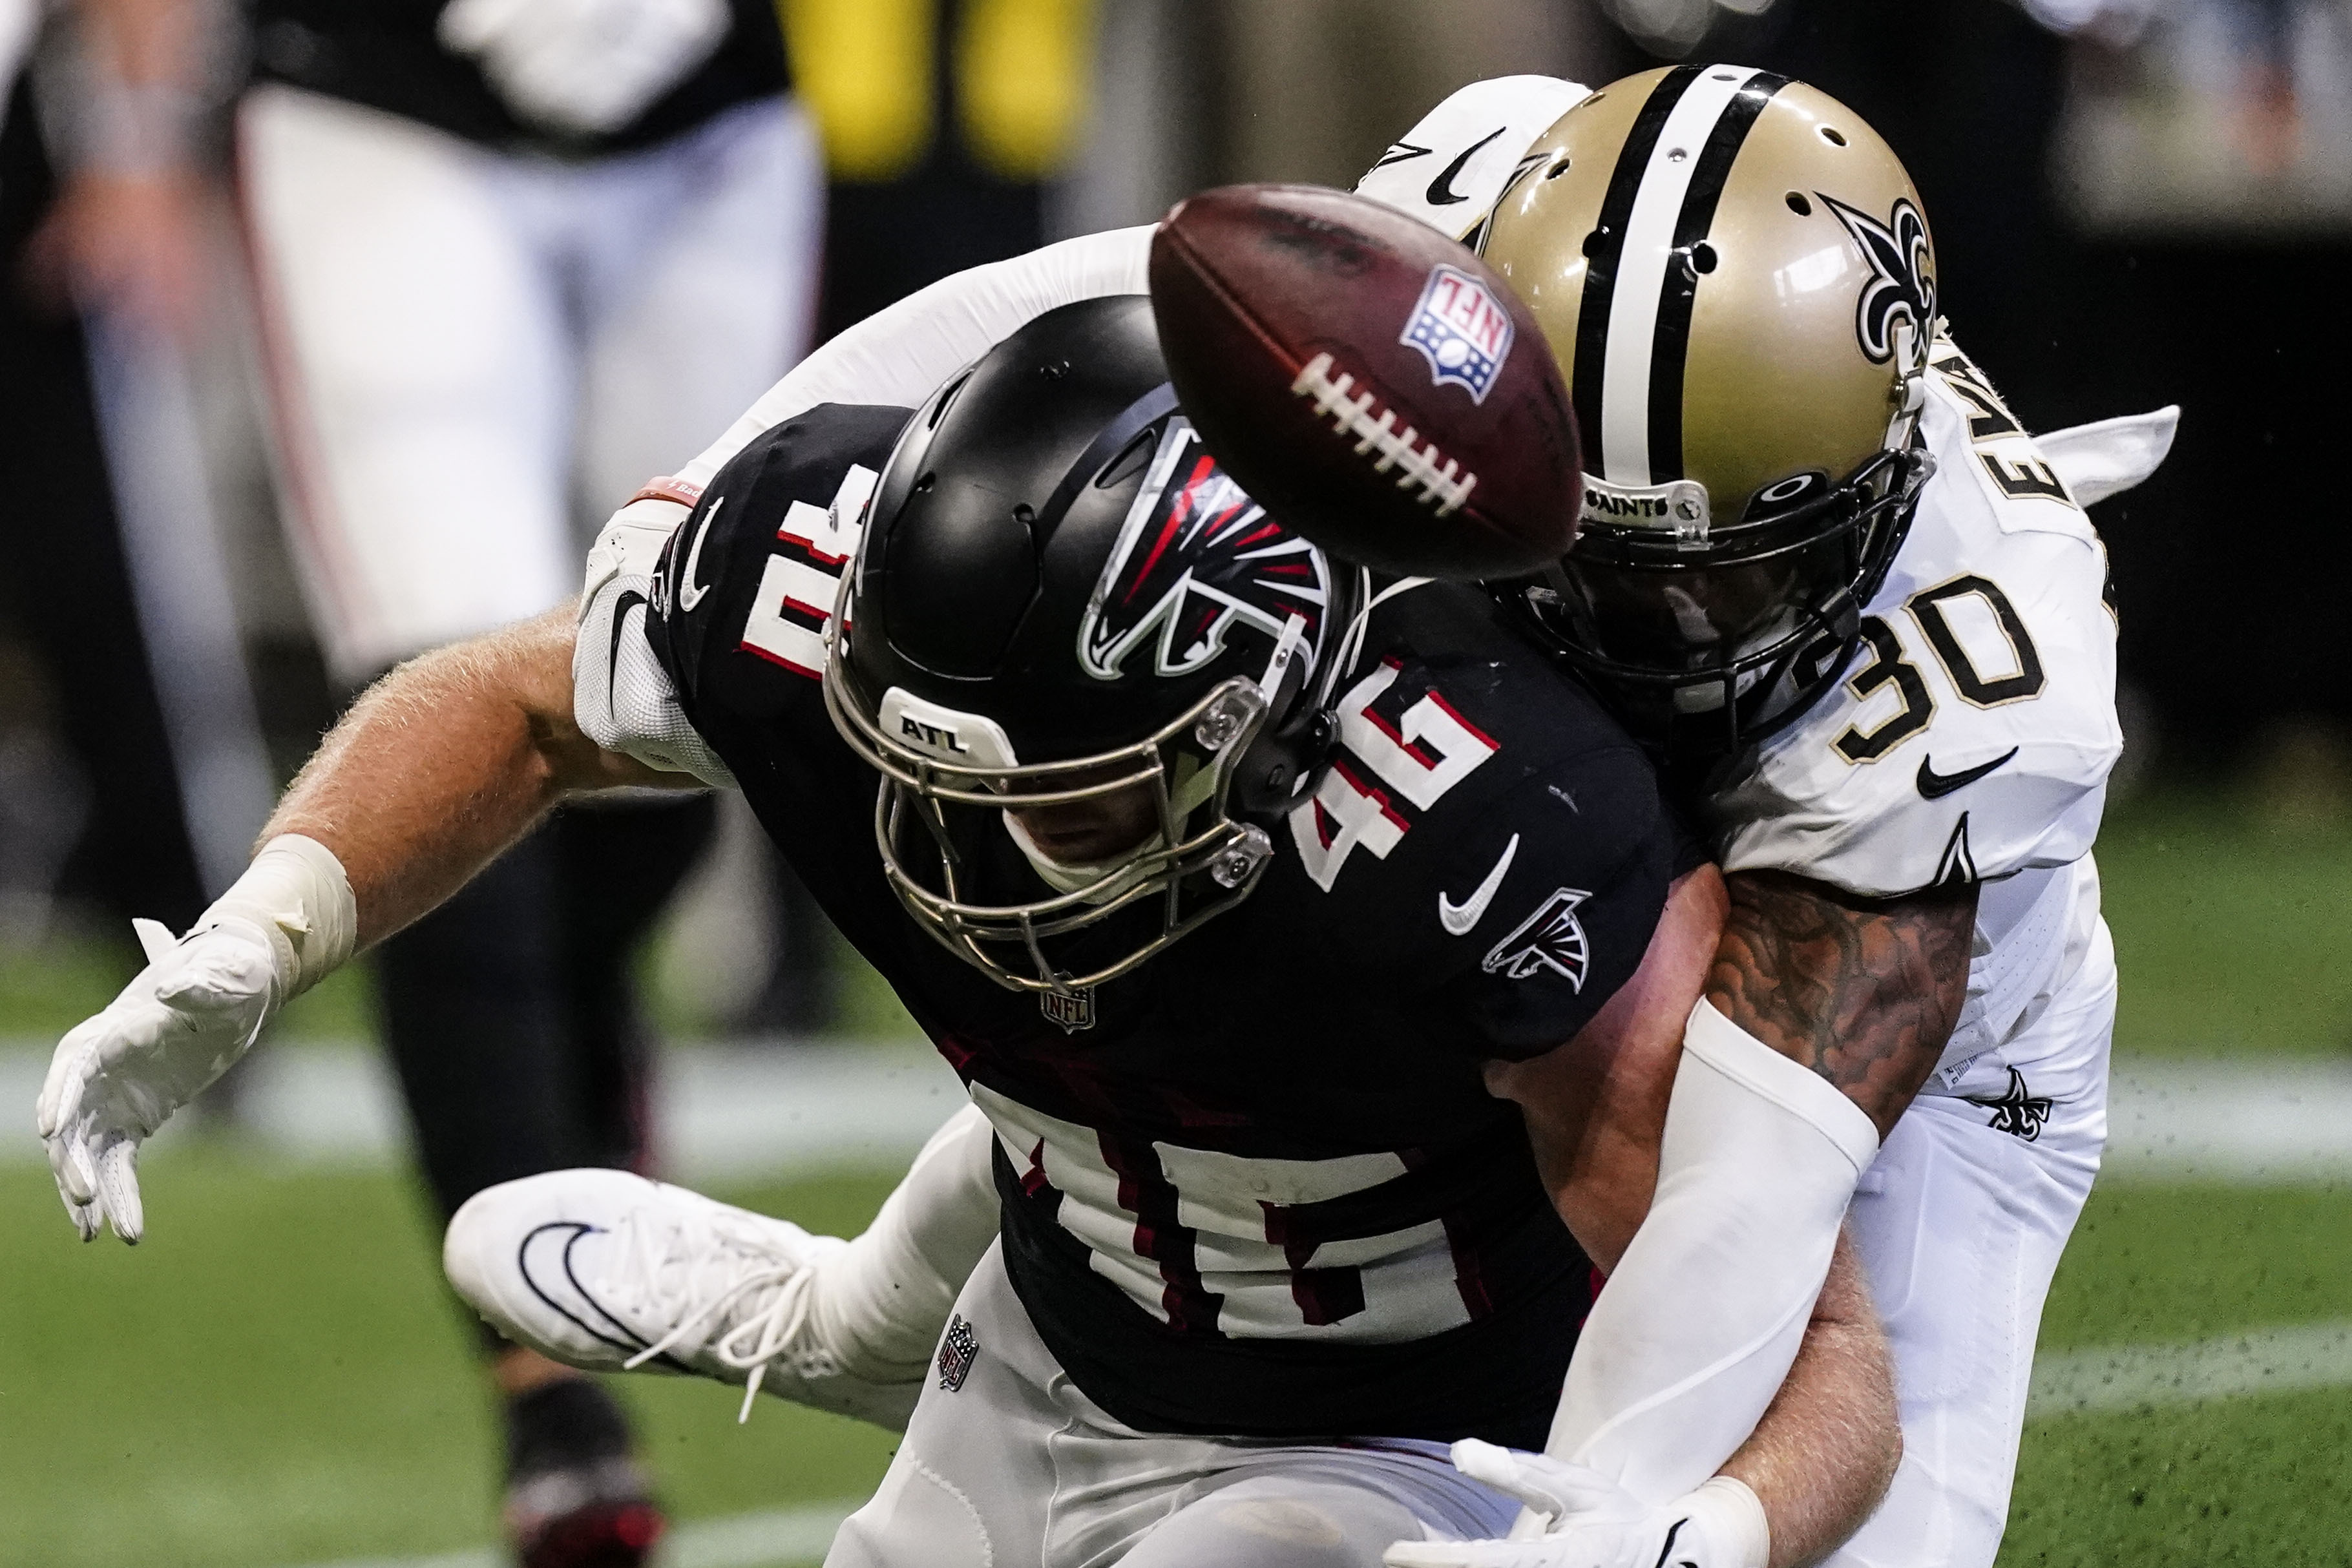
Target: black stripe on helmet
[(1606, 244), (1669, 341)]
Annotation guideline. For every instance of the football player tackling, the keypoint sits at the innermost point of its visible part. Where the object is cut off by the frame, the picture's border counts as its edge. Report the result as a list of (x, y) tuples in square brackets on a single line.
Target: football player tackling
[(1829, 577), (1270, 1242)]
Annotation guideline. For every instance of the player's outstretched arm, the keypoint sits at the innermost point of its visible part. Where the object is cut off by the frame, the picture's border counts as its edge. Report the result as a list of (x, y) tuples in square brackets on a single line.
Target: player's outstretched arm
[(437, 769), (444, 763)]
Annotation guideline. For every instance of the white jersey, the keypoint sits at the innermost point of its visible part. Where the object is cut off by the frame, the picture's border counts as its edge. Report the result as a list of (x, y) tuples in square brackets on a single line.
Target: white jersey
[(1972, 738)]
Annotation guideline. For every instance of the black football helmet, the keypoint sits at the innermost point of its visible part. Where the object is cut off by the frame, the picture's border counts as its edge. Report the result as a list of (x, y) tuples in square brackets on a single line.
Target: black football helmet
[(1060, 600)]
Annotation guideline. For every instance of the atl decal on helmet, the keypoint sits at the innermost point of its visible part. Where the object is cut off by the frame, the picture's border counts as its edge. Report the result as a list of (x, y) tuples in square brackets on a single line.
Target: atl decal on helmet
[(1462, 330), (1196, 557)]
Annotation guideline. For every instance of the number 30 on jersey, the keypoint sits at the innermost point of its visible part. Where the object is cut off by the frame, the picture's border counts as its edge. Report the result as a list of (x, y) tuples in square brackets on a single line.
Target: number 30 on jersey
[(1976, 636)]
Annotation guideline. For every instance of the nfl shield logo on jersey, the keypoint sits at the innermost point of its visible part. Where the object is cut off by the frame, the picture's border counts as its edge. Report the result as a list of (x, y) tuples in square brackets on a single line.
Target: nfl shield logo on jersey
[(1462, 330), (1069, 1011), (1551, 938), (957, 1350)]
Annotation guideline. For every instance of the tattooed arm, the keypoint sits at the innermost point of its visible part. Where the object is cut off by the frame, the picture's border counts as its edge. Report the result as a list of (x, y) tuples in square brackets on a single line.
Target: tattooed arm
[(1822, 1015), (1863, 991)]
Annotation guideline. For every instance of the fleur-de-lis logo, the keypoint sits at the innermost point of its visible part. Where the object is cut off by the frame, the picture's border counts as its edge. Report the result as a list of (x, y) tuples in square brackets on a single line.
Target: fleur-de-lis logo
[(1902, 285)]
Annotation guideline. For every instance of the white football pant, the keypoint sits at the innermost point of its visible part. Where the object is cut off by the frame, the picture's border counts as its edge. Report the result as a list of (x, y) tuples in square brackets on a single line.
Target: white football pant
[(475, 356), (1960, 1224), (1013, 1465)]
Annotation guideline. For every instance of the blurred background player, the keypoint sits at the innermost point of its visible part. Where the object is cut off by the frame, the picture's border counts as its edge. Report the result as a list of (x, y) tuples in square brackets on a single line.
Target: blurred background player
[(511, 256), (142, 769)]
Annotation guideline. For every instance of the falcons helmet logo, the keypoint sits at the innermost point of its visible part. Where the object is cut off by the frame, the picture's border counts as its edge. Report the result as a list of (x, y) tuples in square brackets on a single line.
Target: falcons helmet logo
[(1196, 558)]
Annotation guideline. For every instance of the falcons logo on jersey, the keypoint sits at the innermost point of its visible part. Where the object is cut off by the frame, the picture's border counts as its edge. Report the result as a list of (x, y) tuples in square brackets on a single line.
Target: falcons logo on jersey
[(1549, 941), (1196, 558)]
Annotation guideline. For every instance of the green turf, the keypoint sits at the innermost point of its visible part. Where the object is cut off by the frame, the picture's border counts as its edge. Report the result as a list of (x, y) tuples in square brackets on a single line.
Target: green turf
[(275, 1377), (2228, 928), (2236, 1481), (2160, 1264), (2251, 1481)]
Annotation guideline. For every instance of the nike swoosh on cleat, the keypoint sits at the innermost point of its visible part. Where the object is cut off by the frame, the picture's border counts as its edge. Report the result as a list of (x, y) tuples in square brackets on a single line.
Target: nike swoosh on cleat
[(1441, 191), (550, 1246), (1935, 786), (1458, 918)]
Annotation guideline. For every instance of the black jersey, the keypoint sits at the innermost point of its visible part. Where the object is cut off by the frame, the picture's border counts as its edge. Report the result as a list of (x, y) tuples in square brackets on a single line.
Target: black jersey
[(385, 54), (1257, 1185)]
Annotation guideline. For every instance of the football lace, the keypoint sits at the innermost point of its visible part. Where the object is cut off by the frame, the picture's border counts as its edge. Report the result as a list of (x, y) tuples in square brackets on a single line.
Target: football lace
[(1446, 486)]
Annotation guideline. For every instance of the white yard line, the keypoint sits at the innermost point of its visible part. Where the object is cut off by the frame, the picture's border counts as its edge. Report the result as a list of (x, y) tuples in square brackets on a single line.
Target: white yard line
[(2134, 1376), (734, 1113), (722, 1113)]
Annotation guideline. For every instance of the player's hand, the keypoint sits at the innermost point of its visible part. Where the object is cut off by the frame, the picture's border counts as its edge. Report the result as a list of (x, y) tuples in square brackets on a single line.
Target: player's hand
[(117, 1077), (1579, 1518)]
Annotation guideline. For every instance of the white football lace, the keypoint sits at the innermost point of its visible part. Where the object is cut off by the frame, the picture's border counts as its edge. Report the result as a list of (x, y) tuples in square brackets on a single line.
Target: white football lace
[(1353, 416), (700, 1272)]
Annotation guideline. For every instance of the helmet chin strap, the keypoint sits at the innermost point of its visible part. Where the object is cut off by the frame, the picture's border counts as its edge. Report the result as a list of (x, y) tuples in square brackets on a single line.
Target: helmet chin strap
[(1063, 876)]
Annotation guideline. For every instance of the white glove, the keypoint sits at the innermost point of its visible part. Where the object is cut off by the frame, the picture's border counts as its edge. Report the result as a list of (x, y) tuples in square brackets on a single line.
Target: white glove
[(584, 66), (1579, 1518), (196, 1008), (116, 1078)]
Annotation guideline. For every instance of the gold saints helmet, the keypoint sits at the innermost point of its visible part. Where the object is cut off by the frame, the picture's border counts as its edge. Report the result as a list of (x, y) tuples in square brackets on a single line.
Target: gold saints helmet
[(1737, 276)]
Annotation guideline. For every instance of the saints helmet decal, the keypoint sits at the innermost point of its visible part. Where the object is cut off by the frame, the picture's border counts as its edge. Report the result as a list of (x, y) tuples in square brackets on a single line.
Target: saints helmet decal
[(1902, 285)]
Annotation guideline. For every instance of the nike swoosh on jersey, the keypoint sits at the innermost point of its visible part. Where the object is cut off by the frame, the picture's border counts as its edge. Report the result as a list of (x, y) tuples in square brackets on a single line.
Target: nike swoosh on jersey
[(1402, 152), (1458, 918), (1935, 786), (691, 592), (1441, 191)]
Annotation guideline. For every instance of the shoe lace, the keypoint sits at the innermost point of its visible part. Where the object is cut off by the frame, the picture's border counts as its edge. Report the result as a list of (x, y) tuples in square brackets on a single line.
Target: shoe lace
[(701, 1273)]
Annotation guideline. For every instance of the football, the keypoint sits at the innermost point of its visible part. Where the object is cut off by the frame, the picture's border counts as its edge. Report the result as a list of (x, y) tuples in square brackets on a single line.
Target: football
[(1367, 380)]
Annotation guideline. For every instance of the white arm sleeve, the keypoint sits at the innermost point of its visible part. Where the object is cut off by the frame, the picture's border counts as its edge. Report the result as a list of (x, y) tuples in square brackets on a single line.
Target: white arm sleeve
[(898, 357), (1693, 1334), (882, 1301)]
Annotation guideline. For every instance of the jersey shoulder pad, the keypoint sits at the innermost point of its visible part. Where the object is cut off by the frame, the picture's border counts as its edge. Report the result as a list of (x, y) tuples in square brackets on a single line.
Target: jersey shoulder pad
[(1976, 726), (1485, 829), (746, 583)]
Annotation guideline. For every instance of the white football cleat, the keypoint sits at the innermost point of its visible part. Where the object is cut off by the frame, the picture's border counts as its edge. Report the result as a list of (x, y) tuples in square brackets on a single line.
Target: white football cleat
[(610, 1272)]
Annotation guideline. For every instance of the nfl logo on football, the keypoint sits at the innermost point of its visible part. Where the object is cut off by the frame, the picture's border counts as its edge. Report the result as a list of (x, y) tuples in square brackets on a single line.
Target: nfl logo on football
[(1462, 330)]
